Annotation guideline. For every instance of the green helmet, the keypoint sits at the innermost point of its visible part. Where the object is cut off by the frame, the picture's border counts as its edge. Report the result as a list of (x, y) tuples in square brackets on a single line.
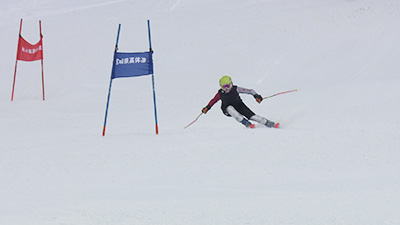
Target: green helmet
[(225, 80)]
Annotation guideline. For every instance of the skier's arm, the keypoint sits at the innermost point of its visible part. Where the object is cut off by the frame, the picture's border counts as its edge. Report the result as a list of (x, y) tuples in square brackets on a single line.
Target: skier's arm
[(250, 92), (246, 91), (211, 103)]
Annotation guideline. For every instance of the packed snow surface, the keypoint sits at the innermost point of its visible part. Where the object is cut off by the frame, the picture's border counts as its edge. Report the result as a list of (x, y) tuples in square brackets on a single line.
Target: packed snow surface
[(335, 159)]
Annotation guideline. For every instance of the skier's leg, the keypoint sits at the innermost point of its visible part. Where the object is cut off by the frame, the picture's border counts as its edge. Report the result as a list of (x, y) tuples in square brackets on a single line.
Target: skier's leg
[(244, 110), (259, 119), (239, 117), (263, 120), (235, 114)]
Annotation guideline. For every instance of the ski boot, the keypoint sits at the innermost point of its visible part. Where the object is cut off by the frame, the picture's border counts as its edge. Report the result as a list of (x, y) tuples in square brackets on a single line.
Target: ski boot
[(247, 123), (271, 124)]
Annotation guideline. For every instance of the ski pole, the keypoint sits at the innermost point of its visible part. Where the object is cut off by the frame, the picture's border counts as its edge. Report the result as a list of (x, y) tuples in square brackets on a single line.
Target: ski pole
[(193, 121), (281, 93)]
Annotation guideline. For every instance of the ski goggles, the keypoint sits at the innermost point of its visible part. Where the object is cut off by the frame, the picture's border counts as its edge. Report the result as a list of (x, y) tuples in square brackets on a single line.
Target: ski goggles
[(226, 86)]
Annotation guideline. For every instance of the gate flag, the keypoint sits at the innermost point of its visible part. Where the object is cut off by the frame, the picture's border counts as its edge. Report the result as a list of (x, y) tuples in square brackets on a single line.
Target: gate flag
[(29, 52), (132, 64)]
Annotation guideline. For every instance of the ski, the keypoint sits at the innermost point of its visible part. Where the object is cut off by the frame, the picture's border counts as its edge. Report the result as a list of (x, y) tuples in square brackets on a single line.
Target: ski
[(253, 126)]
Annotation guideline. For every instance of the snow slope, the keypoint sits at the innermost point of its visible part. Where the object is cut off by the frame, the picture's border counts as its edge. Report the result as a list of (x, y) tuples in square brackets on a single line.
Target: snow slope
[(334, 161)]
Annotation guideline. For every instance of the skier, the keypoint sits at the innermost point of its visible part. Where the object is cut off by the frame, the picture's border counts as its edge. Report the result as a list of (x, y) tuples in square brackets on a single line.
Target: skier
[(232, 105)]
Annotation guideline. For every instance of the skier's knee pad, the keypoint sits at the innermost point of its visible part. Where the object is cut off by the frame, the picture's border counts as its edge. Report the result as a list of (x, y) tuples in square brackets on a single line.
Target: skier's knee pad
[(259, 119), (235, 114)]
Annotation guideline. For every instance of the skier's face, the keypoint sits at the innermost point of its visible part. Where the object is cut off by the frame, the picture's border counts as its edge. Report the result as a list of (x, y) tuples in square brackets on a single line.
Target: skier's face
[(227, 87)]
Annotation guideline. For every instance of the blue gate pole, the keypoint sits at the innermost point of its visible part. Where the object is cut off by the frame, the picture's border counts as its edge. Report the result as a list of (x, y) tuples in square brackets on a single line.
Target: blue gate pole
[(152, 78), (109, 89)]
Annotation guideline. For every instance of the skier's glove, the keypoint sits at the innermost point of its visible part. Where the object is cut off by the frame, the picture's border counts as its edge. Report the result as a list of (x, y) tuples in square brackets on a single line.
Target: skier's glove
[(258, 98), (205, 109)]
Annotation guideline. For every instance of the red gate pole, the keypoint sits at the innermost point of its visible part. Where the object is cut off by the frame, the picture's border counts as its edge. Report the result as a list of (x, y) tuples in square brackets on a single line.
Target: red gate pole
[(16, 62), (41, 36)]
